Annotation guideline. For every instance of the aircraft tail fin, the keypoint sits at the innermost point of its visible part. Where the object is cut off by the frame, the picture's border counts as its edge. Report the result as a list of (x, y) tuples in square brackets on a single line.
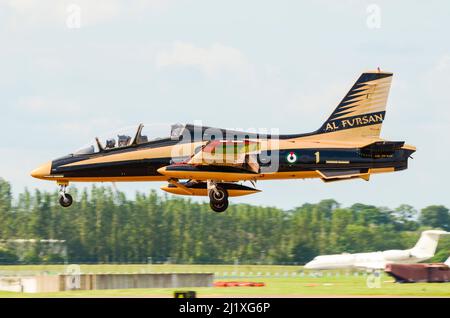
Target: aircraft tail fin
[(427, 243), (447, 262), (361, 112)]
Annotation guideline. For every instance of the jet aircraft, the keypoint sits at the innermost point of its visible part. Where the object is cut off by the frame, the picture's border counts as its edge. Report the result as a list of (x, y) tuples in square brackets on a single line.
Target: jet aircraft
[(423, 250), (204, 161)]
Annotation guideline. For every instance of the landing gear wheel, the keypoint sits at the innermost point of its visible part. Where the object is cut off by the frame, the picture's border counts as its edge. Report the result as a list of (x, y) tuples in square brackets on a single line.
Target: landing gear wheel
[(218, 195), (219, 206), (65, 200)]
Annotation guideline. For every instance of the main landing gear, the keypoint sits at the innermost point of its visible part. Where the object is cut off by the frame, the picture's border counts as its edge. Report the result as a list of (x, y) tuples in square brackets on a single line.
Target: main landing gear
[(65, 199), (218, 197), (218, 194)]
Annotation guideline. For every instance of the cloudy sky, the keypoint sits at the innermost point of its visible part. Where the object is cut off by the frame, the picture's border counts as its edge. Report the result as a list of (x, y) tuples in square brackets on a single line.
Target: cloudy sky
[(72, 69)]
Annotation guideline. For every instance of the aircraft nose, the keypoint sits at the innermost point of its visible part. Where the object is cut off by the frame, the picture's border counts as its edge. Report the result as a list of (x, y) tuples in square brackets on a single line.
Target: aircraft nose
[(42, 171), (310, 265)]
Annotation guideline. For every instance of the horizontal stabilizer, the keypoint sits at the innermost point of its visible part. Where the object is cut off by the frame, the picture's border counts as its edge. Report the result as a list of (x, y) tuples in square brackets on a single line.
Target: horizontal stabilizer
[(381, 149)]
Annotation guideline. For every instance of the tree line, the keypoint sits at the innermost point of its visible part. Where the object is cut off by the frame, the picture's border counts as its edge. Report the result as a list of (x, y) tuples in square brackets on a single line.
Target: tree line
[(103, 225)]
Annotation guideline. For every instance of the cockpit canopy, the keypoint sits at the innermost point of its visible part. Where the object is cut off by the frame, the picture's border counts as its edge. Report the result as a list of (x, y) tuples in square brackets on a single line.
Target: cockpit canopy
[(132, 136)]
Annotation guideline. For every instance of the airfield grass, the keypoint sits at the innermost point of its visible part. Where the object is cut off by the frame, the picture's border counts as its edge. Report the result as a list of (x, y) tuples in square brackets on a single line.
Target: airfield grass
[(330, 284)]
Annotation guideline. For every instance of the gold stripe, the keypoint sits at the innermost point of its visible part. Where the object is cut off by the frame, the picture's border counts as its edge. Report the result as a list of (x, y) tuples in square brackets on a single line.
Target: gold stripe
[(337, 161), (372, 94), (381, 170), (380, 81), (289, 175), (166, 152), (234, 177), (111, 179), (409, 147), (205, 175), (374, 100), (380, 89), (204, 192), (161, 152)]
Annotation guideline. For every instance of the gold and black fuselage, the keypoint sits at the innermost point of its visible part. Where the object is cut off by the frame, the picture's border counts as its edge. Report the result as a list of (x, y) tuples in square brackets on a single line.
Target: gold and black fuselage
[(276, 161), (346, 146)]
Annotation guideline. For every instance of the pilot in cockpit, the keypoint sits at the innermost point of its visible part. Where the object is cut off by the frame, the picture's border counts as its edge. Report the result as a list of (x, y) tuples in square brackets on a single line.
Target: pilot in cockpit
[(110, 143), (124, 140)]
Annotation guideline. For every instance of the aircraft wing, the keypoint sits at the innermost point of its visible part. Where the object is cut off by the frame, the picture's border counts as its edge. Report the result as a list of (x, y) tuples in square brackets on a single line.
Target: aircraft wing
[(234, 153), (227, 160)]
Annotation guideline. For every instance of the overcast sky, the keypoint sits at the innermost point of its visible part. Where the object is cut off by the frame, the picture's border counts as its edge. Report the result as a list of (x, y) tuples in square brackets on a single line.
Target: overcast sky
[(72, 69)]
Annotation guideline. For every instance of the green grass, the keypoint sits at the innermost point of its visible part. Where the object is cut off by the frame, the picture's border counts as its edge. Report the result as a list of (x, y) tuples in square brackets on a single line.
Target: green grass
[(276, 286), (154, 268)]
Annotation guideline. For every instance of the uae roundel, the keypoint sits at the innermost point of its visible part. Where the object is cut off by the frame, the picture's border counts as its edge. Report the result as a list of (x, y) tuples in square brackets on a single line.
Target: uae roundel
[(291, 157)]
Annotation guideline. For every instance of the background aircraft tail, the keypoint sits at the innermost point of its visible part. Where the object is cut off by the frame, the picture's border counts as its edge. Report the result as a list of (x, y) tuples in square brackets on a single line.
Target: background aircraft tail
[(426, 246), (361, 113)]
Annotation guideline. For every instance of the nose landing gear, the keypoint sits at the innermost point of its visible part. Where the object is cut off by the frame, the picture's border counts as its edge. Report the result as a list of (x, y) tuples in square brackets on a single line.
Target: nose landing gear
[(65, 199)]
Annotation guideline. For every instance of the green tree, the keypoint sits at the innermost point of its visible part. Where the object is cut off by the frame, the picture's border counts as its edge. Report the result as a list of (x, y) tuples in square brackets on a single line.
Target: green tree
[(6, 228), (436, 216), (104, 225), (405, 216), (8, 257)]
